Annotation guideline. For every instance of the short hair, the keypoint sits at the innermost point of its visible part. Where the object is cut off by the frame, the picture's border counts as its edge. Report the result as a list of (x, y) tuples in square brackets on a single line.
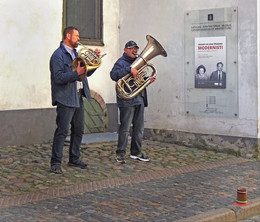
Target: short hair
[(200, 67), (220, 63), (68, 30)]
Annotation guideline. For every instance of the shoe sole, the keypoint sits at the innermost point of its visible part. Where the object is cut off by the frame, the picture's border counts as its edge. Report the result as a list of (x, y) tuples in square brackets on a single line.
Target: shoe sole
[(56, 172), (122, 162), (74, 165), (139, 158)]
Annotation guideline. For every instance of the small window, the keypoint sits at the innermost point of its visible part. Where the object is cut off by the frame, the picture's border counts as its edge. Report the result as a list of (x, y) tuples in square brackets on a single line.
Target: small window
[(86, 16)]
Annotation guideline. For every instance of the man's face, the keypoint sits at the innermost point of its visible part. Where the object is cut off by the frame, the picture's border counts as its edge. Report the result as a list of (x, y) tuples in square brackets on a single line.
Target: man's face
[(73, 38), (131, 52), (220, 67)]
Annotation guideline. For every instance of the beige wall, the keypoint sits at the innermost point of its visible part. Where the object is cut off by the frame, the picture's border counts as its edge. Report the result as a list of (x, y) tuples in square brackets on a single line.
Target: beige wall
[(258, 60), (164, 19), (101, 81), (31, 31)]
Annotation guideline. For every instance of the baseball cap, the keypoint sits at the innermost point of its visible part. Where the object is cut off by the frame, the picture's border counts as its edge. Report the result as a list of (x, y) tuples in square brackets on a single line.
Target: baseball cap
[(131, 44)]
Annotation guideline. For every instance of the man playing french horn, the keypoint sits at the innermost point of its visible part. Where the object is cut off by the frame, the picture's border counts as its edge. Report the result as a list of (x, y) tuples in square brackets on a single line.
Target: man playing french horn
[(131, 110), (68, 85)]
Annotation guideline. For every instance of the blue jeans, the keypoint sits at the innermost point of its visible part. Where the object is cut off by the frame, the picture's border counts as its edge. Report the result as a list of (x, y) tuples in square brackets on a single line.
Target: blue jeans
[(66, 116), (131, 115)]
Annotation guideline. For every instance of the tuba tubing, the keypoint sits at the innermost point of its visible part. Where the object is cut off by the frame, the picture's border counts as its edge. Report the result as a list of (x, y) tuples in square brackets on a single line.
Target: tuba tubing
[(127, 87)]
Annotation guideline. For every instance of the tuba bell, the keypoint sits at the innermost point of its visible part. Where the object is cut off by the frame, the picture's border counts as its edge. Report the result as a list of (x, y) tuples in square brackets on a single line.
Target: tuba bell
[(128, 87), (89, 58)]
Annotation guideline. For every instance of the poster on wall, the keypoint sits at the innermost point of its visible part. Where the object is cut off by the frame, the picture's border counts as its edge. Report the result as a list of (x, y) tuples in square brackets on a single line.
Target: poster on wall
[(210, 62)]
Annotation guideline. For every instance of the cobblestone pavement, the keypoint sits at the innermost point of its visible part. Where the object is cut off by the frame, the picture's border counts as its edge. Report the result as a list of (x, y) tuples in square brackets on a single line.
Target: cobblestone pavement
[(178, 183)]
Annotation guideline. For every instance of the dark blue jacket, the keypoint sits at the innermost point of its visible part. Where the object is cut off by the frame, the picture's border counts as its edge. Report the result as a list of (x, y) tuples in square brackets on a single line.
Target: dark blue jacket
[(120, 69), (64, 80)]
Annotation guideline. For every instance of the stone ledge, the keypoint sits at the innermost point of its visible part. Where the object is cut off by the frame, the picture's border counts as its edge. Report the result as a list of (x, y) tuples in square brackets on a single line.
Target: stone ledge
[(239, 146), (252, 209), (231, 213)]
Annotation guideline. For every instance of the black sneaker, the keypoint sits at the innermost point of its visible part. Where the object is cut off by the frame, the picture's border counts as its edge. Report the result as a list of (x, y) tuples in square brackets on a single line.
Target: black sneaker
[(141, 157), (56, 169), (120, 159), (78, 163)]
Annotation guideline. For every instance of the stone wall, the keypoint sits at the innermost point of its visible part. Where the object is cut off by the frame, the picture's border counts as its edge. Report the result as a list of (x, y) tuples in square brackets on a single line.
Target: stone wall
[(239, 146)]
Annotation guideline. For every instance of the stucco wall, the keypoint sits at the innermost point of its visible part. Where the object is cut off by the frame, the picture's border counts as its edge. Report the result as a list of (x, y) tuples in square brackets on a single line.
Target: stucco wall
[(101, 82), (31, 31), (165, 21), (258, 58)]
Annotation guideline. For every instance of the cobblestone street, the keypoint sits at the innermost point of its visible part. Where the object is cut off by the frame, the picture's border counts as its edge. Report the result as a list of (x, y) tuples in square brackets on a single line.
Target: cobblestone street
[(178, 183)]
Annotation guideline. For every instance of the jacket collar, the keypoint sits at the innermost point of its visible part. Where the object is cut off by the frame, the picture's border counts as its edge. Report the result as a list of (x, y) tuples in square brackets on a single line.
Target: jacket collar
[(65, 51), (128, 58)]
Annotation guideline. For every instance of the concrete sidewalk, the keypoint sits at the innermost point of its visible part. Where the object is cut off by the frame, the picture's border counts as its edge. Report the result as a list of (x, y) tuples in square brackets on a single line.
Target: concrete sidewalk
[(179, 184), (98, 138)]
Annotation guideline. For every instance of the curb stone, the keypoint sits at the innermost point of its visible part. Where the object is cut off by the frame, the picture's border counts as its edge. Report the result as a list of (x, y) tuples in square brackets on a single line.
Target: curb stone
[(231, 213)]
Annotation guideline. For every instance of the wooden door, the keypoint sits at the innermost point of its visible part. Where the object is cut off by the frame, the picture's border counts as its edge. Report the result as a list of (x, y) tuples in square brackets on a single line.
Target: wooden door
[(95, 117)]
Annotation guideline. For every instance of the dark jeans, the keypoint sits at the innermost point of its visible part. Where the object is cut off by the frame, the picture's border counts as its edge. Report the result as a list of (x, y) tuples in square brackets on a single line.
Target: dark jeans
[(66, 116), (131, 115)]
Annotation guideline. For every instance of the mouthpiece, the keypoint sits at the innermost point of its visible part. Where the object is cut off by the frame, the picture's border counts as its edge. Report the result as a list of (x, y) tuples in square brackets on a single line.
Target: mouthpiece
[(135, 54)]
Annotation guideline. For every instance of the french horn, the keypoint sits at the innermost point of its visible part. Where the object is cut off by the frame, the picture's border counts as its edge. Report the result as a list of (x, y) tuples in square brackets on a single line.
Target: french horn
[(88, 58), (128, 87)]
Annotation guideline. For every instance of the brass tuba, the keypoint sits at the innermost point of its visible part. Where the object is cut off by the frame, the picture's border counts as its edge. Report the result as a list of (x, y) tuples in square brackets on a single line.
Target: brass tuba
[(89, 58), (128, 87)]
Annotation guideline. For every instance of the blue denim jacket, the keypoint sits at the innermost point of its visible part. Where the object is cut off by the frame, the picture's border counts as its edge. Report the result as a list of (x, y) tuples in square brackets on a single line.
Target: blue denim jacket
[(64, 80), (119, 70)]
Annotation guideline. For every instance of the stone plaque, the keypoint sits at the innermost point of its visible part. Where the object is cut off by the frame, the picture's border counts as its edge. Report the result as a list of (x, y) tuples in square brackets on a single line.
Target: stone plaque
[(211, 76)]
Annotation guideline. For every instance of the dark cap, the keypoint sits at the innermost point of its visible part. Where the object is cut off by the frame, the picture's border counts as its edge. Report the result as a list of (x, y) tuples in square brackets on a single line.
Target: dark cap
[(131, 44)]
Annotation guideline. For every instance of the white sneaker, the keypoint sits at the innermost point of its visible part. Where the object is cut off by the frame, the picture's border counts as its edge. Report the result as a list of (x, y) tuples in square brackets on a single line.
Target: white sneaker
[(140, 157)]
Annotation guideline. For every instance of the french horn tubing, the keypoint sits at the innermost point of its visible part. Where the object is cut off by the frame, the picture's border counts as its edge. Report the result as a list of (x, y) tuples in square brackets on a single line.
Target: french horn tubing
[(89, 58)]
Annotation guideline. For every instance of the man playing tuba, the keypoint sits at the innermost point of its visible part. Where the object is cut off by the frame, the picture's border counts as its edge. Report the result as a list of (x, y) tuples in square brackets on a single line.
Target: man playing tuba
[(131, 110)]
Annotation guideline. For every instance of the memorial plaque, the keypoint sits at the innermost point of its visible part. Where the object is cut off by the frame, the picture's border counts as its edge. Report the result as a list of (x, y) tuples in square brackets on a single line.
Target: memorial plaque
[(211, 62)]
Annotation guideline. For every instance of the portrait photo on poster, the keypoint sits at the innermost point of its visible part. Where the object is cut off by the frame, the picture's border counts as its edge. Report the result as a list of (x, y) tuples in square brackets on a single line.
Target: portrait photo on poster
[(210, 60)]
